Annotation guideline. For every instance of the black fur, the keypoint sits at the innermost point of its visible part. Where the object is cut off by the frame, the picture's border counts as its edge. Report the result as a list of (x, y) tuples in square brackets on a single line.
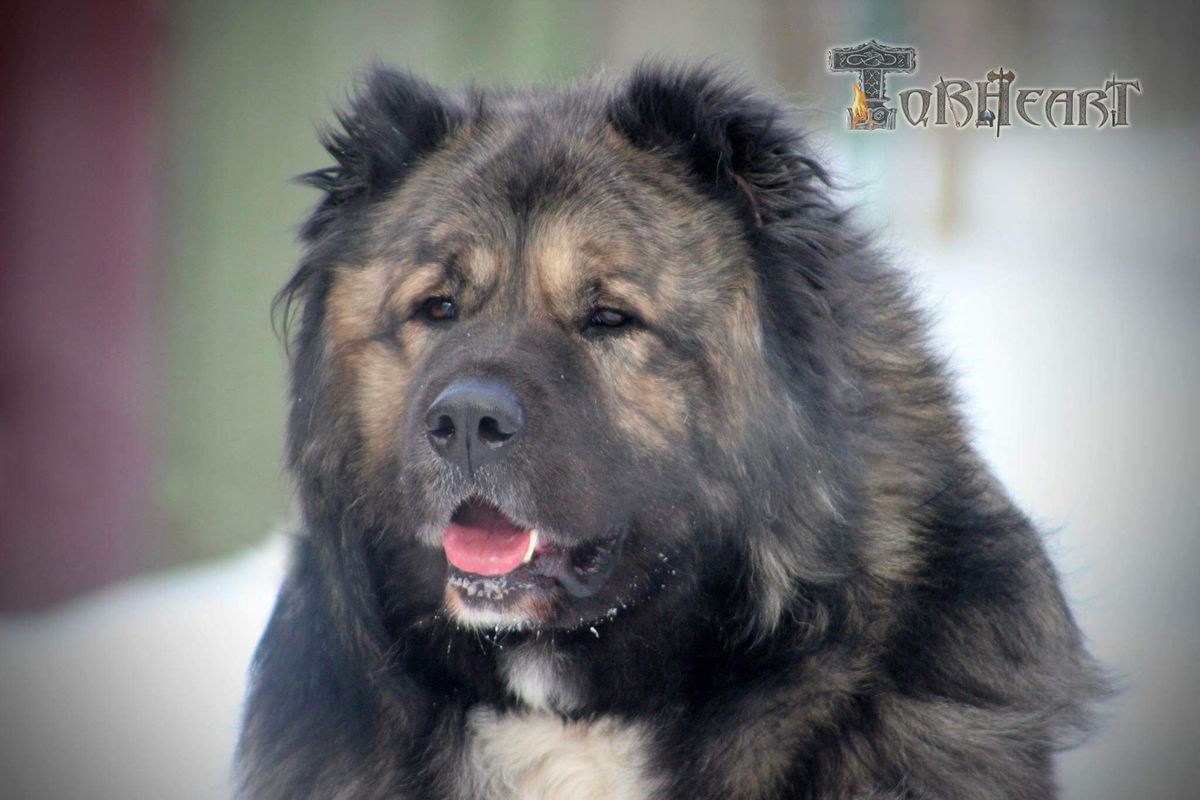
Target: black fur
[(842, 602)]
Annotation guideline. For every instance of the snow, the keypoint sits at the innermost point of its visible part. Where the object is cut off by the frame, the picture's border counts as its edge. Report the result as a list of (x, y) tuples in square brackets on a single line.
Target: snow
[(134, 692)]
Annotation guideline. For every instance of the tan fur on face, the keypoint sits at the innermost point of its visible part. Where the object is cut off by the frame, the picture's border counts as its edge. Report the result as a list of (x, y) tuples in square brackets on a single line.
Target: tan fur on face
[(570, 255), (570, 273), (380, 378), (354, 303), (372, 372), (649, 407)]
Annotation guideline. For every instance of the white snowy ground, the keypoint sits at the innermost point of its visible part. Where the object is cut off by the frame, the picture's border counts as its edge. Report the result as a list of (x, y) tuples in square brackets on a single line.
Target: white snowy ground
[(134, 693), (1069, 308)]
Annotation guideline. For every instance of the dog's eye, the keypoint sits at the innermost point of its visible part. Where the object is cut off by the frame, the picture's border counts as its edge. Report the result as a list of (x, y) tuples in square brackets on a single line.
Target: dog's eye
[(605, 317), (438, 309)]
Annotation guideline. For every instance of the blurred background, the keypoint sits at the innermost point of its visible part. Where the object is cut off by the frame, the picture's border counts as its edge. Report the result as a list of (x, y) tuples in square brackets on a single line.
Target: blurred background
[(147, 218)]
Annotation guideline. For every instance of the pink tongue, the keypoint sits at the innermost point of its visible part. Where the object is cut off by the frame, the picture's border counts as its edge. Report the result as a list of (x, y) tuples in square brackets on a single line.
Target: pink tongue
[(493, 548)]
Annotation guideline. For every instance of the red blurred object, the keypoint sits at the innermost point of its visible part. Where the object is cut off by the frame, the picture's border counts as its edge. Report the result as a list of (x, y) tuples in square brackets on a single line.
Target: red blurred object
[(78, 157)]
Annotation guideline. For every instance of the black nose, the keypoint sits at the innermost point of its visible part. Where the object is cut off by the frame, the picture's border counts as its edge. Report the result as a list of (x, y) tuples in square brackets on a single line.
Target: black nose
[(470, 422)]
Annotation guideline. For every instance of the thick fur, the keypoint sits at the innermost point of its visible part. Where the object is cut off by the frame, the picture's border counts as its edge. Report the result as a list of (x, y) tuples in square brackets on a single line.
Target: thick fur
[(823, 593)]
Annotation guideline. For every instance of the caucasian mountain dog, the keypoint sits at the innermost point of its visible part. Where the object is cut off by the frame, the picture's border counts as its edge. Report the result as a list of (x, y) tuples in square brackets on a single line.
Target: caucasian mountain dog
[(626, 472)]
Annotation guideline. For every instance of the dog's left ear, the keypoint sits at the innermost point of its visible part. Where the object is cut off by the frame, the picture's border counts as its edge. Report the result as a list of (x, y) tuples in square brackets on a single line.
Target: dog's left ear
[(737, 144)]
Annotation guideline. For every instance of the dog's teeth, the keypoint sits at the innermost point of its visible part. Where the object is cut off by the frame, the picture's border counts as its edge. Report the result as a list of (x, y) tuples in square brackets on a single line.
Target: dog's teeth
[(533, 541)]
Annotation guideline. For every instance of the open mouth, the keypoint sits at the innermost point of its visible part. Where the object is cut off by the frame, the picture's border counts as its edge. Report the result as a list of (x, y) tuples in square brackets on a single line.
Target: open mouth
[(491, 557)]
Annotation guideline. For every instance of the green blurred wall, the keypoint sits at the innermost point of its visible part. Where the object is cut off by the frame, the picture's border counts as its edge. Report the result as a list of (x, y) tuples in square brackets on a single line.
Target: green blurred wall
[(245, 85)]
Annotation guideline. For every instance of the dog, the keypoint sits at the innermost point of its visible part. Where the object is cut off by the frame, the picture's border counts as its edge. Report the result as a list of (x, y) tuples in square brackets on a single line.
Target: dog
[(625, 471)]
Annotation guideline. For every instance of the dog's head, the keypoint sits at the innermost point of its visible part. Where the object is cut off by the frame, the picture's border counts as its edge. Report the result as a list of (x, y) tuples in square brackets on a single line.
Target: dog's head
[(546, 356)]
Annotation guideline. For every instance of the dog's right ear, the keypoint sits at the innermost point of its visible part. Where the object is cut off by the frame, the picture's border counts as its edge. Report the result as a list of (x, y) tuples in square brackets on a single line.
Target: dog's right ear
[(393, 120)]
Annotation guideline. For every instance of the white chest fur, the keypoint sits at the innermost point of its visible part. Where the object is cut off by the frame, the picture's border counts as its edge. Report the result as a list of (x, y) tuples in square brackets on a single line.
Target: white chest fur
[(537, 756), (541, 679)]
